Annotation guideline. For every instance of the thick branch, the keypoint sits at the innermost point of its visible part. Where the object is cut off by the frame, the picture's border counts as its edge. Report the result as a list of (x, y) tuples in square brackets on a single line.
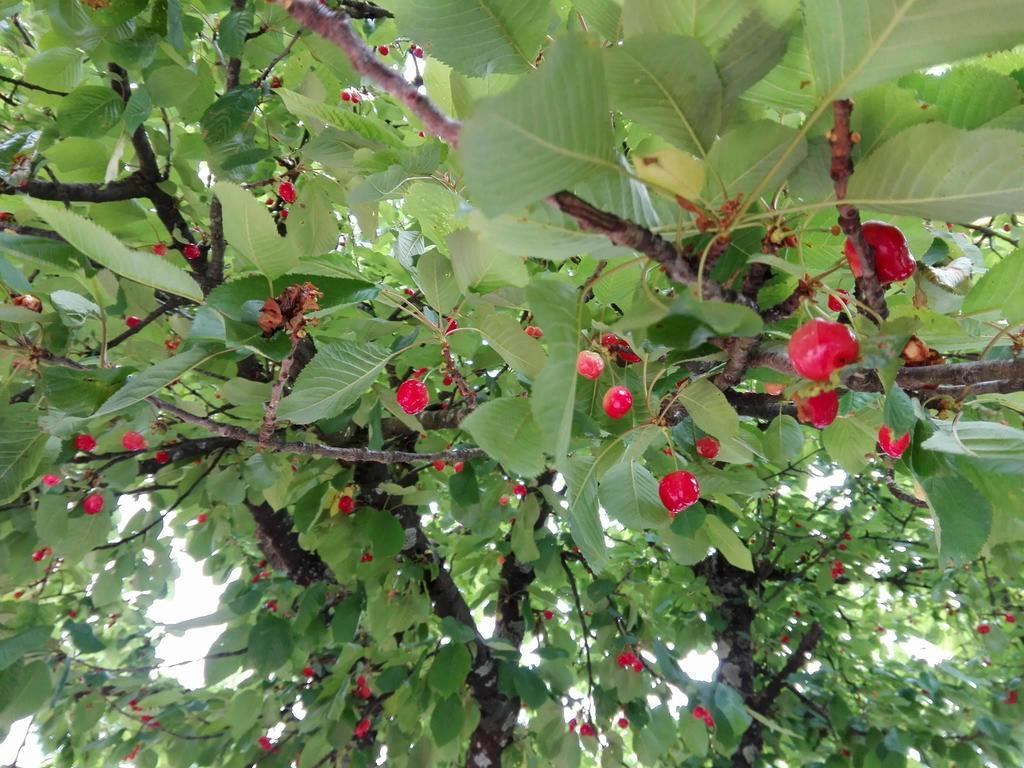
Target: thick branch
[(764, 700), (281, 546)]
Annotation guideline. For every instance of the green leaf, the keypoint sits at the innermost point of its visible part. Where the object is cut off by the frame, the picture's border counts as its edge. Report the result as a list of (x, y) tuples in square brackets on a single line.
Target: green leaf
[(644, 83), (481, 267), (709, 409), (710, 21), (446, 720), (103, 248), (367, 127), (530, 687), (476, 37), (228, 114), (997, 289), (629, 493), (783, 440), (543, 233), (725, 540), (136, 112), (506, 430), (523, 542), (935, 171), (524, 354), (449, 670), (233, 29), (250, 229), (898, 413), (517, 148), (16, 646), (345, 621), (24, 690), (83, 638), (752, 155), (58, 68), (436, 279), (339, 374), (748, 54), (1000, 446), (21, 448), (150, 381), (963, 516), (584, 521), (270, 643), (850, 439), (239, 715), (386, 533), (603, 15), (966, 97), (90, 111), (855, 44), (73, 308)]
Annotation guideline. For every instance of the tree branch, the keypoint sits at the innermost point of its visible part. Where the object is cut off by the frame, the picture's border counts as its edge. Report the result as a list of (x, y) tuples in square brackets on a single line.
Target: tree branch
[(280, 543)]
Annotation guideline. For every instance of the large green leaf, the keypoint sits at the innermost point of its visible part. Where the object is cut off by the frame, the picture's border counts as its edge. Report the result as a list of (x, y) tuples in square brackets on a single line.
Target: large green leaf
[(367, 127), (966, 97), (935, 171), (964, 516), (725, 540), (999, 445), (855, 44), (749, 53), (21, 448), (270, 643), (436, 278), (584, 521), (150, 381), (14, 647), (477, 37), (506, 430), (103, 248), (448, 672), (849, 439), (24, 690), (249, 228), (551, 131), (90, 111), (338, 375), (759, 154), (629, 493), (709, 409), (1000, 289), (524, 354), (669, 84), (446, 720), (710, 21), (481, 267)]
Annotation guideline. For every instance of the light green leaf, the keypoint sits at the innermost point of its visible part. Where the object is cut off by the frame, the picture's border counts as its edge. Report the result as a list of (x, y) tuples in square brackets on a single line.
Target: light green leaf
[(506, 430), (746, 157), (710, 21), (524, 354), (367, 127), (543, 233), (644, 83), (849, 439), (855, 44), (518, 148), (999, 289), (103, 248), (436, 278), (233, 29), (336, 378), (999, 445), (250, 229), (270, 643), (783, 440), (228, 114), (963, 516), (14, 647), (481, 267), (476, 37), (21, 448), (150, 381), (446, 720), (90, 111), (24, 689), (724, 539), (433, 206), (73, 308), (448, 672), (605, 16), (523, 543), (584, 520), (965, 97), (935, 171), (709, 409), (57, 68), (629, 493), (748, 54)]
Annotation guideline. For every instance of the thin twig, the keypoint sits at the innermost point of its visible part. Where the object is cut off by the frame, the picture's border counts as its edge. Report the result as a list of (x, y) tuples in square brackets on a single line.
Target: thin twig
[(267, 427), (583, 625)]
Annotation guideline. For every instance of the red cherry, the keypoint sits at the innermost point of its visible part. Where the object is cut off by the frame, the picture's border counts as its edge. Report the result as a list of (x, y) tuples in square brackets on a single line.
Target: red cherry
[(447, 380), (18, 594), (678, 490), (452, 326), (51, 480), (409, 292), (589, 364), (1011, 697), (893, 262), (202, 517), (366, 558), (622, 722), (617, 402), (708, 447), (784, 639), (286, 191), (842, 547), (587, 730), (159, 249), (355, 98), (638, 666), (41, 554), (72, 614), (458, 466), (610, 340), (416, 51), (503, 500), (796, 614), (519, 490), (346, 505), (265, 744), (362, 728), (439, 465), (819, 410), (383, 50), (190, 252), (308, 672), (85, 442), (283, 214), (172, 344), (838, 569), (1010, 618), (894, 448), (699, 713), (93, 504), (838, 302), (848, 536), (346, 96), (984, 629), (412, 396), (276, 82), (549, 615), (534, 332), (625, 659), (271, 605), (820, 347), (419, 373), (132, 321), (162, 457), (133, 441), (572, 725)]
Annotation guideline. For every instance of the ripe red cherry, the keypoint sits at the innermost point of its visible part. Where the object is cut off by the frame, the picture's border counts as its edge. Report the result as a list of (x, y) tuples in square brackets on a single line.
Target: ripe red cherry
[(41, 554), (366, 558), (308, 672), (346, 96), (587, 730), (286, 191), (51, 480), (589, 364), (617, 402), (451, 327), (93, 504), (346, 505), (623, 722), (519, 490), (439, 465), (818, 411), (85, 442), (458, 466), (1010, 618), (355, 98), (894, 448), (162, 457), (678, 490), (416, 51), (159, 249), (984, 629), (549, 615), (838, 302), (534, 332), (893, 262), (412, 396), (265, 744), (133, 441), (503, 500), (708, 447), (132, 321), (276, 82), (1012, 697), (202, 517), (190, 252), (820, 347), (383, 50), (172, 344), (362, 728)]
